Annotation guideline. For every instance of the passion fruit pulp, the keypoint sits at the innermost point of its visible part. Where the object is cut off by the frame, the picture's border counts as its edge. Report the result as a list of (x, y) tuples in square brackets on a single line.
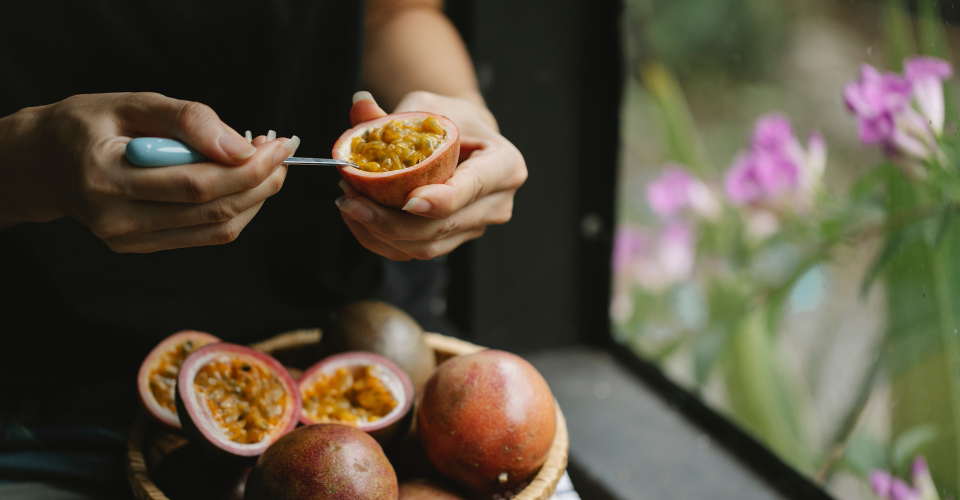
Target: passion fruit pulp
[(236, 400), (323, 462), (399, 153), (359, 389), (487, 421), (157, 378), (381, 328)]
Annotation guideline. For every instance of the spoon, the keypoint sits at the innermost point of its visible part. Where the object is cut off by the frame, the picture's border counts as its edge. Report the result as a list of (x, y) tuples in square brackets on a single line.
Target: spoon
[(157, 152)]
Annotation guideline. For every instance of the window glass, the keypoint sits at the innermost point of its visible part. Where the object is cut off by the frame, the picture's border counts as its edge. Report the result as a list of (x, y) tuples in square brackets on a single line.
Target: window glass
[(788, 242)]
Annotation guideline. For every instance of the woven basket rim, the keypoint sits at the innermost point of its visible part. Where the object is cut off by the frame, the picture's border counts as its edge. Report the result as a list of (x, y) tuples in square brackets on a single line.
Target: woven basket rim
[(540, 488)]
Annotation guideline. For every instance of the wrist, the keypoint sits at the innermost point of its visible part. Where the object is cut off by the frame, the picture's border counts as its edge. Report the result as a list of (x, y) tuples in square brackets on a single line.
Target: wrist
[(22, 196)]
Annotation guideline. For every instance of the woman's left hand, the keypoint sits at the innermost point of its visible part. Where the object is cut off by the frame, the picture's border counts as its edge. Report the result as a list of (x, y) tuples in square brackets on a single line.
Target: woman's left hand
[(440, 217)]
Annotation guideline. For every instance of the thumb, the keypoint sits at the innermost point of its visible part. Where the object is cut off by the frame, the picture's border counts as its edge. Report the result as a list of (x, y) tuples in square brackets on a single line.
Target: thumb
[(191, 122), (364, 108)]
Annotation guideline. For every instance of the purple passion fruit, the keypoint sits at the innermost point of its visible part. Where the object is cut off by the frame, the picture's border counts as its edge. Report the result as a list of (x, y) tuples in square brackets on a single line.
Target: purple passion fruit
[(237, 401), (487, 421), (397, 154), (157, 379), (359, 389), (425, 490), (323, 462), (386, 330)]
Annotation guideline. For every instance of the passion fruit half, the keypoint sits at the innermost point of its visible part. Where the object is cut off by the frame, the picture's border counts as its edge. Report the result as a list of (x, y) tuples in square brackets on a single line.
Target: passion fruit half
[(397, 154), (420, 489), (323, 462), (236, 400), (359, 389), (487, 421), (157, 379)]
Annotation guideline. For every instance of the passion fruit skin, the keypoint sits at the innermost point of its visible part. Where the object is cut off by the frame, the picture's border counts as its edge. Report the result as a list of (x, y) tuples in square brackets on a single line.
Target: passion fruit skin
[(391, 188), (487, 421), (425, 490), (323, 462), (147, 400), (387, 431), (224, 452), (383, 329)]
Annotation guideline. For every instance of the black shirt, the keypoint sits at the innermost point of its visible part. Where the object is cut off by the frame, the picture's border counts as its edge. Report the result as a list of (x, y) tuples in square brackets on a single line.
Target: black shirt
[(81, 313)]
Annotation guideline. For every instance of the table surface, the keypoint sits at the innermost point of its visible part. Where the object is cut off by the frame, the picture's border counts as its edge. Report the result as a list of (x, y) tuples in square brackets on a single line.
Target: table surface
[(627, 439)]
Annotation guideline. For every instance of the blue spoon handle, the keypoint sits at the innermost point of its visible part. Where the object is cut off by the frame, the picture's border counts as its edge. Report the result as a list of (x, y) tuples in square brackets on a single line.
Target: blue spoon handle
[(157, 152)]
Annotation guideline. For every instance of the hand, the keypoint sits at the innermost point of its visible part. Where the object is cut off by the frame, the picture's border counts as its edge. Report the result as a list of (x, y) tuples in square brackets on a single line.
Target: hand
[(67, 159), (440, 217)]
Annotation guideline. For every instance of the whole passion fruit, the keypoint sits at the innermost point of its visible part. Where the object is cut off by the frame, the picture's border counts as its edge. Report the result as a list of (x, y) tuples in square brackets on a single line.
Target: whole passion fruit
[(487, 421), (360, 389), (420, 489), (397, 154), (236, 400), (386, 330), (323, 462), (157, 379)]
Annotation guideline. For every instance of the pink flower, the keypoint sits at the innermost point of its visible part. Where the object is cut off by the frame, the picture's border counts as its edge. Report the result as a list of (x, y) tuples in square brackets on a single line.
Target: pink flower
[(628, 244), (888, 487), (676, 189), (885, 115), (670, 192), (926, 76), (655, 263), (776, 163)]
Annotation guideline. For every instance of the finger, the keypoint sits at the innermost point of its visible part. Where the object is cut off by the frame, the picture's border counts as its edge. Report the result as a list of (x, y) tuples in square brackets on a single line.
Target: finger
[(430, 249), (364, 108), (494, 166), (260, 139), (194, 236), (150, 114), (394, 225), (137, 217), (203, 182), (370, 242)]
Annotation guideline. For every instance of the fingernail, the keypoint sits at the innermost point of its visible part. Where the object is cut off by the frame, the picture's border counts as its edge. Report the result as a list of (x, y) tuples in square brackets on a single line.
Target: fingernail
[(271, 135), (357, 210), (236, 146), (418, 205), (289, 146), (339, 201), (363, 94), (248, 136)]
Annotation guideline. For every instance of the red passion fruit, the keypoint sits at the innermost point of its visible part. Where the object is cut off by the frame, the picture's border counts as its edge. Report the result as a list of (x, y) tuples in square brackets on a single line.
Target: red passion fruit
[(359, 389), (235, 400), (487, 421), (323, 462), (397, 154), (157, 379)]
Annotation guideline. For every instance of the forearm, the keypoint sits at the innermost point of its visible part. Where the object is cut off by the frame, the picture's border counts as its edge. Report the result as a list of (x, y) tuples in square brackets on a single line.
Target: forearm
[(411, 45)]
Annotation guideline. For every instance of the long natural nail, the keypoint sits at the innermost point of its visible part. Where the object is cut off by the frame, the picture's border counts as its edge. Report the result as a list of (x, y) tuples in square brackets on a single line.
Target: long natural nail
[(339, 201), (236, 146), (289, 147), (248, 135), (418, 206), (271, 135), (363, 95), (357, 210)]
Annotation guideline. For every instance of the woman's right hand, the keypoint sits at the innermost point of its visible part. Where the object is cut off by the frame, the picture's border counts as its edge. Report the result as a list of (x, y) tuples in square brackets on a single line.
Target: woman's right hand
[(67, 159)]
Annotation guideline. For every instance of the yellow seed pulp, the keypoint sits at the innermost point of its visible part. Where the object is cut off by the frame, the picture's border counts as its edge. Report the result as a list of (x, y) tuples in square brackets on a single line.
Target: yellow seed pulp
[(398, 144), (163, 378), (246, 399), (343, 397)]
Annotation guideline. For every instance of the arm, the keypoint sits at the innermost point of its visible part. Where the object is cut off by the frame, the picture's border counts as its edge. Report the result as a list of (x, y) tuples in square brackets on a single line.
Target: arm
[(416, 59)]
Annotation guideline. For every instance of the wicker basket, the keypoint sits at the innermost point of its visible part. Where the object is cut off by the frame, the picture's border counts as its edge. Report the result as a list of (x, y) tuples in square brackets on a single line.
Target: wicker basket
[(148, 444)]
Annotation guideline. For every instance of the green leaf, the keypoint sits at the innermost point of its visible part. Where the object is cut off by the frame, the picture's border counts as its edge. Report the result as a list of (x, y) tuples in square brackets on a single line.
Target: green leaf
[(862, 455), (706, 353), (894, 244), (910, 441), (683, 140), (897, 33)]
